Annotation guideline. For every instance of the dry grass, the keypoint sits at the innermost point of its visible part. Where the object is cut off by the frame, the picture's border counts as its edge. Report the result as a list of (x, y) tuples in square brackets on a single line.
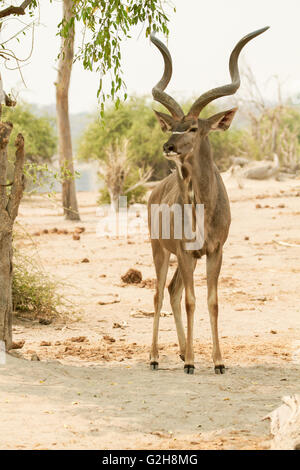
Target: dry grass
[(35, 294)]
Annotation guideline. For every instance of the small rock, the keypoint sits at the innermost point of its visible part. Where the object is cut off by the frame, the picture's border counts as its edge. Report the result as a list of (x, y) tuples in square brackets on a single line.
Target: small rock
[(76, 237), (108, 338), (273, 332), (109, 302), (258, 206), (79, 229), (246, 238), (17, 344), (85, 260), (78, 339), (45, 321), (119, 325), (45, 343), (34, 357), (161, 434)]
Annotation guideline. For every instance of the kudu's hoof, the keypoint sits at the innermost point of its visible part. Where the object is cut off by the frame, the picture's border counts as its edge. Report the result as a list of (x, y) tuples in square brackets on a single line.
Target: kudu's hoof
[(153, 365), (189, 369), (182, 357), (220, 369)]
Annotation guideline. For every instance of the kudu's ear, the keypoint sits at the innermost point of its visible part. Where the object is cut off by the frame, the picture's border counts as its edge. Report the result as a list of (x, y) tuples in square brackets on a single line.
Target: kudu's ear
[(165, 120), (222, 121)]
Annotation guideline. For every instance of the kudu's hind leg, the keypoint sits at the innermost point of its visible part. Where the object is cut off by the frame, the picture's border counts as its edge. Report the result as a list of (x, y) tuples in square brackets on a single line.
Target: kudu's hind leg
[(187, 266), (175, 290), (161, 261), (213, 266)]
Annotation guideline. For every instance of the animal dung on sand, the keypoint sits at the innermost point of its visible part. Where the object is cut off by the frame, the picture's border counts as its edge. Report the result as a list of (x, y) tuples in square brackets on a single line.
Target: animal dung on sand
[(133, 276)]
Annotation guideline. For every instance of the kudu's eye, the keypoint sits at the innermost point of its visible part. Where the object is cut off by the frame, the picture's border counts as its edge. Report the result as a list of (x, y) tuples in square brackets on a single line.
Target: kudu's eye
[(193, 129)]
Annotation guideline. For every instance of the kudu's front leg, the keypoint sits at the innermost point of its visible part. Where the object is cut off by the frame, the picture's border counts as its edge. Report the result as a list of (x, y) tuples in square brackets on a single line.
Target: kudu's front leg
[(187, 266), (161, 260), (213, 266), (175, 290)]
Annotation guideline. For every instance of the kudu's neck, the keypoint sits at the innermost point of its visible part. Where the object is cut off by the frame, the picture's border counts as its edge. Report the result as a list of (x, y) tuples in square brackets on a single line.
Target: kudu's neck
[(203, 175)]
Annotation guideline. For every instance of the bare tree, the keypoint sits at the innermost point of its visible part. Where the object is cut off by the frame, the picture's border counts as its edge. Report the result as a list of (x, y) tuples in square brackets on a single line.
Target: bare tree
[(10, 198), (114, 171), (269, 127), (69, 199), (9, 205)]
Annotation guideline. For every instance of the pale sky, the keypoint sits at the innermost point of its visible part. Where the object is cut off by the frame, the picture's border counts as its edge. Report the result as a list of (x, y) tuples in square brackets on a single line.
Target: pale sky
[(202, 35)]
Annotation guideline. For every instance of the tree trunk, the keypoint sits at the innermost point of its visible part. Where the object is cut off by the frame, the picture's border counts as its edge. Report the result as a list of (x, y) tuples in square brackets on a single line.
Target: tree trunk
[(9, 206), (69, 199), (114, 201), (5, 288)]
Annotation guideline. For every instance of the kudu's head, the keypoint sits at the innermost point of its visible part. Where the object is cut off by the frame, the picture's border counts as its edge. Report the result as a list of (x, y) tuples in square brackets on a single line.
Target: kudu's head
[(187, 130)]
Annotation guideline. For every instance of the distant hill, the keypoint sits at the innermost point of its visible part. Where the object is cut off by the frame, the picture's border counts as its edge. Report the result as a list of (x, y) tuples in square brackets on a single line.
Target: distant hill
[(78, 121), (88, 179)]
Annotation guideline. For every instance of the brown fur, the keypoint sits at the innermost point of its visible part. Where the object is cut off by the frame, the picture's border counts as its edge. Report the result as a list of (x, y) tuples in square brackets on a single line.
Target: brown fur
[(201, 175)]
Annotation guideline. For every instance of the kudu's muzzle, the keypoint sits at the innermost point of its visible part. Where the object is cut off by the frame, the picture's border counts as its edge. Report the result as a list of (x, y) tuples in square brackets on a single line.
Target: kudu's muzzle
[(169, 147)]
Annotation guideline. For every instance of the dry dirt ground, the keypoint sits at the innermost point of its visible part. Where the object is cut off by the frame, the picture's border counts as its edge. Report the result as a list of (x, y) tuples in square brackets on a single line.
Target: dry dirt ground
[(93, 387)]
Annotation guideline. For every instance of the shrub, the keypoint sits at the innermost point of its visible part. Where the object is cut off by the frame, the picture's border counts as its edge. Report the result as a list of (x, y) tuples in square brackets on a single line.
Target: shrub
[(34, 293)]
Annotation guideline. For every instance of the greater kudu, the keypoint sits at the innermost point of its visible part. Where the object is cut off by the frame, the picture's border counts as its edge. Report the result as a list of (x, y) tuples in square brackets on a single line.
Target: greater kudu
[(196, 181)]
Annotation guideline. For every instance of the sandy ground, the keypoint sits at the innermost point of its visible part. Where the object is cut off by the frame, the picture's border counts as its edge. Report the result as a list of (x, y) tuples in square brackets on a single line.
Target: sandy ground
[(93, 387)]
